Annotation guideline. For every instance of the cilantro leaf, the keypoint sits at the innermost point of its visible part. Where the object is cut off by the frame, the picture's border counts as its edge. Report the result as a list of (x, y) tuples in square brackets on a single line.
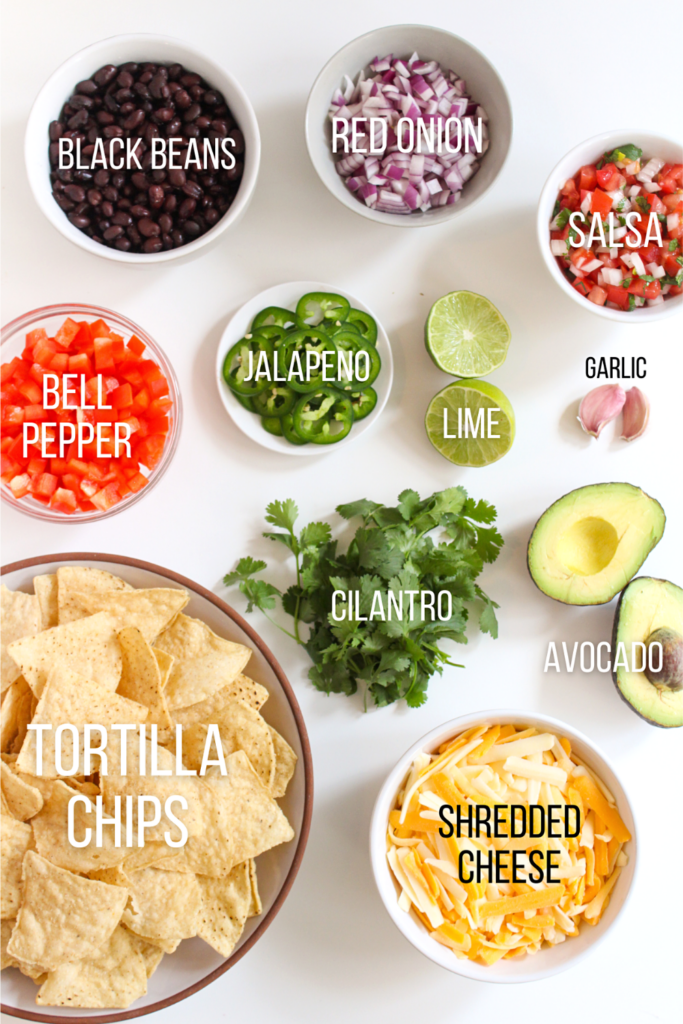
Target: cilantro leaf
[(357, 508), (282, 513), (628, 152), (245, 568), (259, 593), (315, 535)]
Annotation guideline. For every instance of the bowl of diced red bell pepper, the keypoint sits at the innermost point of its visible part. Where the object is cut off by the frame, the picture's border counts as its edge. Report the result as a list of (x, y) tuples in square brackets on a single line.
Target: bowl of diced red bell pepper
[(91, 413)]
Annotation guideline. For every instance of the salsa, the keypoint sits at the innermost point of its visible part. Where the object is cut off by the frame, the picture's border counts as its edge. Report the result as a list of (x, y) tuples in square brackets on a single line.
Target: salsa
[(617, 229), (85, 418)]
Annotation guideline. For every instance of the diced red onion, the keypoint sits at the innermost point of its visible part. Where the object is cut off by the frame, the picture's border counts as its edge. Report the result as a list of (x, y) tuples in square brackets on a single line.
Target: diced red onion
[(399, 168)]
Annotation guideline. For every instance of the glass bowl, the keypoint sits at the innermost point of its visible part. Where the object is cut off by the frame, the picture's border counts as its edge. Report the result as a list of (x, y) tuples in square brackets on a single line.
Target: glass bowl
[(51, 318)]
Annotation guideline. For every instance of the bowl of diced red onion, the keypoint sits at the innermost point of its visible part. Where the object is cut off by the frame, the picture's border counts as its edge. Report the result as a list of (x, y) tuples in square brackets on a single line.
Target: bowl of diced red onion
[(408, 125), (590, 205)]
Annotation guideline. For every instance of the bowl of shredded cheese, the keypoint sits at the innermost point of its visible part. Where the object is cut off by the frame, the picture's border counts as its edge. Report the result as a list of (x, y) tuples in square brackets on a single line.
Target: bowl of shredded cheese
[(503, 846)]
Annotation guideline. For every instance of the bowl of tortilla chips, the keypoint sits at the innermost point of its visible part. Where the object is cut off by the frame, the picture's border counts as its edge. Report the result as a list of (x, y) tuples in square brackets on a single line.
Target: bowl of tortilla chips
[(156, 783)]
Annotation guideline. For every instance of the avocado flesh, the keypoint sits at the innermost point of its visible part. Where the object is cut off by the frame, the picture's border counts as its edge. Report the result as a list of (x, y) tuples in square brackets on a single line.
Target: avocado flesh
[(588, 545), (646, 606)]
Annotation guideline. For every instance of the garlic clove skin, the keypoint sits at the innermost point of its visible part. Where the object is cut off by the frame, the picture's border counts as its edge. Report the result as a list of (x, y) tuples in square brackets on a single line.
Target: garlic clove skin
[(636, 414), (600, 407)]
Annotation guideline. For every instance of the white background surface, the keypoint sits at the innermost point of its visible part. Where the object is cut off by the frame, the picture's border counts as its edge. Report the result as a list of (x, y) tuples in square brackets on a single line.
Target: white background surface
[(333, 954)]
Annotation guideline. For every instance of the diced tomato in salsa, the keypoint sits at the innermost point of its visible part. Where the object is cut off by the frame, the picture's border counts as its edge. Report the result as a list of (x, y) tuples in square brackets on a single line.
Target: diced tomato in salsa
[(117, 374), (626, 190)]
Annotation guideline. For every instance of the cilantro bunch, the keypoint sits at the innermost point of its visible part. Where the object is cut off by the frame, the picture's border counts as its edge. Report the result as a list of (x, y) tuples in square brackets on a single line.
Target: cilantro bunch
[(392, 551)]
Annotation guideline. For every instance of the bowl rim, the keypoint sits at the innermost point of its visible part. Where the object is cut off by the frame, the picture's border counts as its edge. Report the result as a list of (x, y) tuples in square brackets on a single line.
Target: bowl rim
[(387, 795), (67, 308), (197, 588), (645, 314), (42, 195), (312, 450), (392, 219)]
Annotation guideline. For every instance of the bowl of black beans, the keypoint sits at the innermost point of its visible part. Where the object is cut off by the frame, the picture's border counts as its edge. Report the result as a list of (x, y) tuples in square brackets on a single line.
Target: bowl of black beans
[(142, 150)]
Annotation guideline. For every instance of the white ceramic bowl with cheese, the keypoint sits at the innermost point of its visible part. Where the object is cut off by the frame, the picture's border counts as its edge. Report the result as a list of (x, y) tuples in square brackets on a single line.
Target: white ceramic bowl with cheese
[(550, 959)]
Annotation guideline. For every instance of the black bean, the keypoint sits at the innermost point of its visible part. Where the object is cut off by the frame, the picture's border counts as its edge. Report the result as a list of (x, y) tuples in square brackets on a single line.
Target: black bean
[(175, 71), (94, 196), (135, 120), (142, 90), (123, 244), (139, 180), (62, 201), (88, 87), (56, 130), (107, 209), (177, 177), (126, 109), (191, 228), (78, 220), (131, 67), (192, 113), (104, 117), (164, 114), (191, 188), (182, 99), (134, 235), (173, 127), (156, 195), (167, 242), (156, 85), (85, 177), (191, 131), (111, 194), (178, 238), (54, 153), (123, 95), (152, 245), (212, 216), (79, 102), (238, 138), (189, 80), (105, 75), (165, 223), (170, 203), (118, 179), (211, 98), (78, 120), (158, 176), (101, 178), (66, 175), (112, 131), (125, 79), (111, 233), (122, 218), (111, 104), (187, 208), (148, 227)]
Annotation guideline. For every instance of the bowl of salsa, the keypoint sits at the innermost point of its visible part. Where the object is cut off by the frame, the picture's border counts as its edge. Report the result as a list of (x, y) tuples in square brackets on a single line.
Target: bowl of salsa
[(610, 225), (91, 413)]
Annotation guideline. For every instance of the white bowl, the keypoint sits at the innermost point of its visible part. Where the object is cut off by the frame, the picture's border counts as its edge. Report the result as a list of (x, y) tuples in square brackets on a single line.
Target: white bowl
[(483, 83), (287, 295), (550, 960), (195, 964), (118, 50), (589, 152)]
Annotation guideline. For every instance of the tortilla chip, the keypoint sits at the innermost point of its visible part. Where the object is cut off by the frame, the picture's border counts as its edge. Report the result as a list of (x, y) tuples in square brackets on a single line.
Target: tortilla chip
[(51, 835), (19, 616), (242, 820), (241, 728), (150, 611), (151, 954), (256, 906), (243, 688), (141, 677), (113, 978), (5, 806), (23, 800), (204, 661), (15, 715), (70, 698), (225, 908), (165, 663), (72, 578), (15, 838), (164, 904), (150, 855), (46, 590), (285, 764), (161, 786), (89, 647), (6, 960), (63, 917)]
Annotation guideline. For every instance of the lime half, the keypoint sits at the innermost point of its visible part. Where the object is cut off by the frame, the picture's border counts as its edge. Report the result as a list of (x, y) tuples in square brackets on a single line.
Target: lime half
[(471, 423), (465, 335)]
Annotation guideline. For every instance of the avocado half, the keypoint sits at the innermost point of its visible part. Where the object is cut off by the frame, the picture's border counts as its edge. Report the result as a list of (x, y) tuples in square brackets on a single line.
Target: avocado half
[(648, 610), (588, 545)]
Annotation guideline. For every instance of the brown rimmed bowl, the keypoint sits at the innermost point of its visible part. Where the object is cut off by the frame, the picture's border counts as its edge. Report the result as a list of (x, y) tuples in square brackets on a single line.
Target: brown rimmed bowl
[(194, 965)]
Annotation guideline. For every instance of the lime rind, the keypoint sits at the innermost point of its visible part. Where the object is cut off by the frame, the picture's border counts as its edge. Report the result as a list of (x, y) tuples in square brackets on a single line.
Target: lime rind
[(475, 395), (465, 335)]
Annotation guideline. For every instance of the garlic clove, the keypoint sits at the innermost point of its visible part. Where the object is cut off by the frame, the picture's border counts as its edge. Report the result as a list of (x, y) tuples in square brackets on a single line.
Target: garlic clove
[(636, 414), (600, 406)]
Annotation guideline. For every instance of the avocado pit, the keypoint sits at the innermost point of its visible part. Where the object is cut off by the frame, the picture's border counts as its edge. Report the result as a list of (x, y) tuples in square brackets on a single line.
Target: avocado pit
[(670, 673)]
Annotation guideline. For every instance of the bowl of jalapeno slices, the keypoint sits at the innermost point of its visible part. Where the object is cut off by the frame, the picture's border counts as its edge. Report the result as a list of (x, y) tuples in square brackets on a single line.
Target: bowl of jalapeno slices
[(303, 368)]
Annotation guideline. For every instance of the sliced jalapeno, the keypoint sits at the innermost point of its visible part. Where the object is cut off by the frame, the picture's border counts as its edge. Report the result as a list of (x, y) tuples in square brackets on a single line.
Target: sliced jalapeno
[(366, 324), (248, 403), (323, 417), (250, 358), (363, 402), (275, 315), (305, 356), (318, 307), (275, 401), (272, 424), (289, 432), (334, 327), (359, 362), (274, 332)]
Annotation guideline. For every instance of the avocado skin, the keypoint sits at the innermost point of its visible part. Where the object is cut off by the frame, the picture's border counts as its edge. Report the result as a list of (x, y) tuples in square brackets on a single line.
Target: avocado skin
[(557, 502), (615, 672)]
